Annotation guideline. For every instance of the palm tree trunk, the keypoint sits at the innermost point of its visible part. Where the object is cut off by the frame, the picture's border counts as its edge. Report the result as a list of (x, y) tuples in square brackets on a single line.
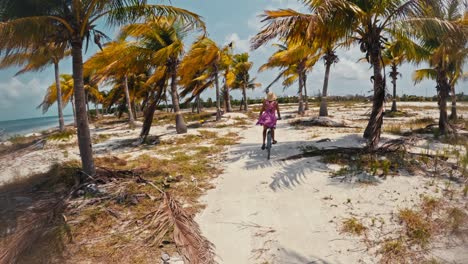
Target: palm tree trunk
[(135, 110), (394, 82), (87, 104), (241, 103), (181, 128), (74, 110), (198, 104), (443, 93), (373, 129), (218, 99), (131, 119), (148, 121), (245, 102), (165, 101), (453, 114), (227, 97), (300, 110), (84, 135), (96, 109), (306, 97), (323, 103), (59, 97)]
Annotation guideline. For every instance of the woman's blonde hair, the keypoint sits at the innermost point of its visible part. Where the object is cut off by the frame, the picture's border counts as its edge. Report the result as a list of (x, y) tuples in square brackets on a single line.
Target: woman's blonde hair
[(271, 96)]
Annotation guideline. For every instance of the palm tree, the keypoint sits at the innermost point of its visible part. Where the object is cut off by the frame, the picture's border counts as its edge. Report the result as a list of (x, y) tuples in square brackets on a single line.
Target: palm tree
[(313, 30), (66, 95), (445, 53), (242, 66), (37, 60), (294, 62), (67, 87), (394, 56), (33, 23), (203, 63), (115, 63), (455, 75), (161, 42)]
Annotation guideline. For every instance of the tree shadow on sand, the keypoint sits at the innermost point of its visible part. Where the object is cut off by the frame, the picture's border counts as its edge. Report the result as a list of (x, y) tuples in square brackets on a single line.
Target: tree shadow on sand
[(293, 172), (32, 227)]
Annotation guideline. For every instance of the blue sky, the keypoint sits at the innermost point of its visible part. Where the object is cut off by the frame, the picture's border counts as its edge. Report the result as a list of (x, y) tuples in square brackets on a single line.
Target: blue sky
[(226, 21)]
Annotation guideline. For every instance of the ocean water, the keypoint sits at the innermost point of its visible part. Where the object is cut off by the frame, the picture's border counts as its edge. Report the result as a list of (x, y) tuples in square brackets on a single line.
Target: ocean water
[(25, 126)]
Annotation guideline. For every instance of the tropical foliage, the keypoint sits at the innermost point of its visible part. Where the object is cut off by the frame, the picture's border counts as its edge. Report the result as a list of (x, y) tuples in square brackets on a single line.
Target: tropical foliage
[(29, 24), (294, 61)]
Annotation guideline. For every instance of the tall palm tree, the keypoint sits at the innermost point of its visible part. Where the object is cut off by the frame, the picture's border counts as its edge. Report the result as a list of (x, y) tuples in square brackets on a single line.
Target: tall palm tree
[(445, 54), (313, 30), (26, 23), (66, 94), (37, 59), (369, 23), (115, 63), (294, 61), (159, 42), (455, 75), (203, 63), (67, 87), (242, 66), (393, 56)]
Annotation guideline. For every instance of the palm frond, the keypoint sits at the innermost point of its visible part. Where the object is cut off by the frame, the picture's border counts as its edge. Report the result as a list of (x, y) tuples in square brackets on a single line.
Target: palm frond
[(192, 245)]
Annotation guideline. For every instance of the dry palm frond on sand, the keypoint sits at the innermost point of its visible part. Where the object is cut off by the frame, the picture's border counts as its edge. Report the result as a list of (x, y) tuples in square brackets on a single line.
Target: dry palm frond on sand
[(191, 244)]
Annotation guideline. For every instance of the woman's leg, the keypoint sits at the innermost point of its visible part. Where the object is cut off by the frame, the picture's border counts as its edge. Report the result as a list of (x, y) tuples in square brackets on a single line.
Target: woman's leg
[(264, 134), (273, 134)]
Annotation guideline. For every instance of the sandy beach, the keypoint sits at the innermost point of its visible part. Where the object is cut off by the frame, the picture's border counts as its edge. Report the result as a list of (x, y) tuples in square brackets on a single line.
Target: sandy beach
[(284, 210)]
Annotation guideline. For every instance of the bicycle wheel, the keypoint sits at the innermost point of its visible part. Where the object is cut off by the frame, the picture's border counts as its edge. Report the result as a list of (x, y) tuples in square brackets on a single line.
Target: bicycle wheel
[(268, 146)]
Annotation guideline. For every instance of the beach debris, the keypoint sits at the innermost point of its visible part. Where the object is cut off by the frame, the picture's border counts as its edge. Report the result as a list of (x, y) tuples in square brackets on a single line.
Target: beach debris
[(323, 140), (320, 121), (171, 217)]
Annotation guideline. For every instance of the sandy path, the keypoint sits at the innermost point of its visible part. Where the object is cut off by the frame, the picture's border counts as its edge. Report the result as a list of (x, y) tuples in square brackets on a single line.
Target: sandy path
[(259, 205), (275, 212)]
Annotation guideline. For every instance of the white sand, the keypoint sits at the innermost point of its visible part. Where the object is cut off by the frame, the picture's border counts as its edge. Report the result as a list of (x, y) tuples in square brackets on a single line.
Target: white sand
[(275, 212), (280, 212)]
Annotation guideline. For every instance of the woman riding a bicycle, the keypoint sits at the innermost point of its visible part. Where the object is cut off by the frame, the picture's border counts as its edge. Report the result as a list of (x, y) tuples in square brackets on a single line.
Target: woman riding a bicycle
[(268, 118)]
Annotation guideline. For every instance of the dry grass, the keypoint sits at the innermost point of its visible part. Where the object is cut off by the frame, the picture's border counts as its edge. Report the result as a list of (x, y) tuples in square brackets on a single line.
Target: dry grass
[(62, 136), (418, 229), (100, 138), (103, 226), (393, 251), (353, 226)]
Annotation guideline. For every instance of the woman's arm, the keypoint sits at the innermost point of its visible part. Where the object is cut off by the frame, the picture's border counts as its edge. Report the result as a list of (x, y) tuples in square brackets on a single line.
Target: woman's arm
[(263, 109)]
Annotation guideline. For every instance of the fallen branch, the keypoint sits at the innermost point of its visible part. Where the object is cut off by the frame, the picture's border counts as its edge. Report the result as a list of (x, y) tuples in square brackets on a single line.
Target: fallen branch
[(321, 121), (190, 242)]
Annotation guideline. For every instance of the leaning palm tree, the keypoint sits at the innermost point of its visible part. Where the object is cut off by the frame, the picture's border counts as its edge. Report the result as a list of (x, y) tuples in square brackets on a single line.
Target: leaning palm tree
[(242, 66), (37, 59), (161, 40), (445, 54), (33, 23), (115, 63), (367, 23), (203, 64)]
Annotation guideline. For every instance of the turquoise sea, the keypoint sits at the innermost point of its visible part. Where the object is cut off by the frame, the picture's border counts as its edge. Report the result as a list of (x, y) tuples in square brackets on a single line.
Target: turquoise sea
[(25, 126)]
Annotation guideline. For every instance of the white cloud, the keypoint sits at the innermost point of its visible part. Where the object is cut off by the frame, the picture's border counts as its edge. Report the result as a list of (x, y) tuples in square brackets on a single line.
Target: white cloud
[(15, 91), (240, 45)]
